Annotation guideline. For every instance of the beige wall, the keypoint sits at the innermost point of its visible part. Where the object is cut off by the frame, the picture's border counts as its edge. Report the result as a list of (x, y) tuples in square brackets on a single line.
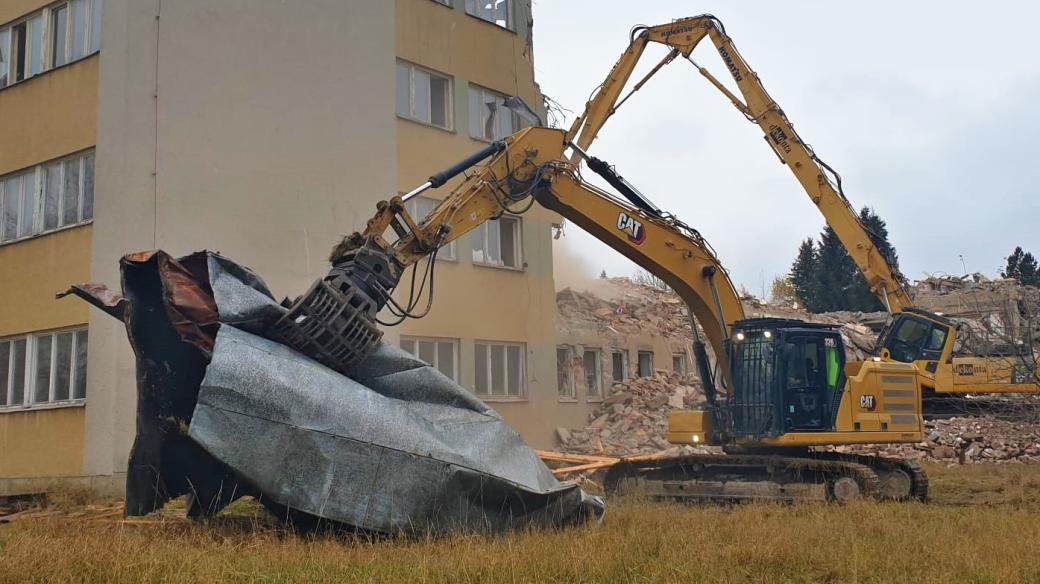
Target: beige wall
[(474, 302), (12, 9), (43, 118), (272, 135)]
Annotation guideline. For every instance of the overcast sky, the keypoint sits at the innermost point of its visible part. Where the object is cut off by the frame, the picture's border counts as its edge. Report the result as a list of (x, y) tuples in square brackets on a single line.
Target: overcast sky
[(927, 109)]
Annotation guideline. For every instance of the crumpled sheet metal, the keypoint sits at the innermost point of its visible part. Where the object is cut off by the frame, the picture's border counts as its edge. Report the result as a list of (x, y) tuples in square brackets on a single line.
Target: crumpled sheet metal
[(397, 448), (321, 443)]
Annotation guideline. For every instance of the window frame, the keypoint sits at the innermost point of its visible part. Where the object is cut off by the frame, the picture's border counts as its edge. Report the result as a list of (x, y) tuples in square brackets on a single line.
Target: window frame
[(32, 357), (482, 231), (565, 373), (91, 39), (517, 123), (682, 361), (522, 382), (436, 353), (39, 176), (510, 24), (598, 373), (625, 373), (639, 353), (449, 104)]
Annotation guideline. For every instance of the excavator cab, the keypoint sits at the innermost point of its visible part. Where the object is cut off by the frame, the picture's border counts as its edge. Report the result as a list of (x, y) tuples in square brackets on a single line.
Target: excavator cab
[(787, 377), (915, 335)]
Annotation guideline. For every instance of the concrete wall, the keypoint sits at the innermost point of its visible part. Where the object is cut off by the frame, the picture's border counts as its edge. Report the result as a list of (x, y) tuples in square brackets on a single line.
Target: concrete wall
[(258, 128), (45, 117)]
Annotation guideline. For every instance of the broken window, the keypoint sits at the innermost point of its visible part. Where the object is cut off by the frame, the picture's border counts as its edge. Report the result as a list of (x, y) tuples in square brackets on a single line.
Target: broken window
[(645, 364), (564, 372), (442, 354), (679, 363), (423, 95), (619, 366), (499, 369), (591, 365), (498, 243), (43, 368), (496, 11), (489, 118)]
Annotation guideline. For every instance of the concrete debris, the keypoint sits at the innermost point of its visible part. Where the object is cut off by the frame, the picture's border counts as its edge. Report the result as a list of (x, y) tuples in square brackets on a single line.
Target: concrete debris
[(995, 315), (634, 418), (982, 439)]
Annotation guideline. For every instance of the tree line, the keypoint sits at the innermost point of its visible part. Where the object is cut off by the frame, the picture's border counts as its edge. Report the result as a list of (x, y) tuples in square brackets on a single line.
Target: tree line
[(823, 277)]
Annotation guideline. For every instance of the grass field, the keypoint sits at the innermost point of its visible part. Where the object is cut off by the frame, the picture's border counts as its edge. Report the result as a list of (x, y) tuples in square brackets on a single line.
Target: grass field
[(983, 525)]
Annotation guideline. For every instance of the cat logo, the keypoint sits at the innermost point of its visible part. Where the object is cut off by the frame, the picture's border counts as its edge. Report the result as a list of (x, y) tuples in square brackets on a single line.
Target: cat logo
[(632, 227), (867, 402)]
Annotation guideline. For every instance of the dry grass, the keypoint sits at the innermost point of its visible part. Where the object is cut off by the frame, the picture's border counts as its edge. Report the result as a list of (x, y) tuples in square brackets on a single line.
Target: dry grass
[(983, 526)]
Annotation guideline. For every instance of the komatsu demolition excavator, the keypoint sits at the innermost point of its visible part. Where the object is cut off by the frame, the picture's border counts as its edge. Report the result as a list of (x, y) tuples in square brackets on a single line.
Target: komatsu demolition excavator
[(782, 386), (912, 335)]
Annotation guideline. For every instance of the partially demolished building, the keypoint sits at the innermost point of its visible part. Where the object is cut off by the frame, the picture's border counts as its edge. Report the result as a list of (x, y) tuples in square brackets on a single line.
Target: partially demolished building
[(268, 131)]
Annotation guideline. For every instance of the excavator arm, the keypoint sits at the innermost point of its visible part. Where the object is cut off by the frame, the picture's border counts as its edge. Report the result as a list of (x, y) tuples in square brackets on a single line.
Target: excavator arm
[(820, 182), (529, 167)]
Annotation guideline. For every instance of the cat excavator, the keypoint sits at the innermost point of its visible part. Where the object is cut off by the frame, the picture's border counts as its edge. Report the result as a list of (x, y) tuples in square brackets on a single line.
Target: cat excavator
[(912, 335), (781, 389)]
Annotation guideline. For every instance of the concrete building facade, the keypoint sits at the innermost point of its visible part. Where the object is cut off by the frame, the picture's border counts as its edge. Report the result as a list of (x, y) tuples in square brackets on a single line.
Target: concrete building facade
[(264, 130)]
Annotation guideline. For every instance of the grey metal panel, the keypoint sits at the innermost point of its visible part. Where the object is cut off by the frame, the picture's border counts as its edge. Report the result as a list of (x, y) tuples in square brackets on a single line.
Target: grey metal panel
[(899, 407), (899, 393), (408, 450), (903, 419)]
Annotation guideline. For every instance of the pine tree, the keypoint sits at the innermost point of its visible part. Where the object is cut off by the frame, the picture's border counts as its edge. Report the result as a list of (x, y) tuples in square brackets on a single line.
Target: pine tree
[(826, 278), (803, 274), (1022, 266), (834, 275)]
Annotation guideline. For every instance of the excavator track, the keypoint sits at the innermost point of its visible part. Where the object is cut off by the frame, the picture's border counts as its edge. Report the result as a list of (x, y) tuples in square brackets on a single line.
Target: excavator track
[(745, 477), (899, 479)]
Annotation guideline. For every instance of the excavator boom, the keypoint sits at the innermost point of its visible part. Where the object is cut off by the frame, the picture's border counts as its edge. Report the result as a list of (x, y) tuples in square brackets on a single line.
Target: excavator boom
[(820, 182)]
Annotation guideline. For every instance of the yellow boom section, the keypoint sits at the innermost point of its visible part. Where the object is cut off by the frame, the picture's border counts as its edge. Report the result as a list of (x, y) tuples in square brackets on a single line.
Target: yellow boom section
[(532, 166), (682, 36)]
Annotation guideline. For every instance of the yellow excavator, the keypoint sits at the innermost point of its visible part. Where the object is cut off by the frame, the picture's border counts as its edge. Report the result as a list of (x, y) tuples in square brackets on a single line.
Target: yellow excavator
[(912, 335), (782, 386)]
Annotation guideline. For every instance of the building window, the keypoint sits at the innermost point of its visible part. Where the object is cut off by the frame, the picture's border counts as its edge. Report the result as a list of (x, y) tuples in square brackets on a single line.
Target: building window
[(565, 372), (499, 369), (43, 369), (423, 96), (619, 366), (496, 11), (419, 207), (646, 363), (62, 33), (590, 362), (442, 354), (679, 363), (498, 243), (51, 196), (489, 118)]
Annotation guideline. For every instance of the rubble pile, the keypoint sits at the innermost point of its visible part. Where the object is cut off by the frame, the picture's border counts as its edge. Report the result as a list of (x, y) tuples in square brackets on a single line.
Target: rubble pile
[(633, 419), (621, 306), (967, 439), (995, 314)]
